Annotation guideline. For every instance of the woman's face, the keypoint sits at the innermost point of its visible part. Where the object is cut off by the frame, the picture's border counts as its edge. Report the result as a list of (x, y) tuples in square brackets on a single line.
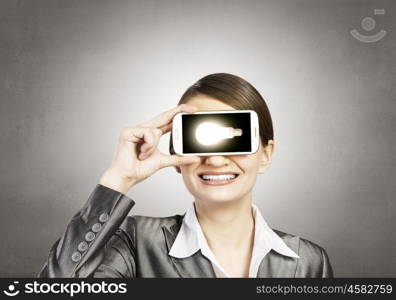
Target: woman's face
[(246, 166)]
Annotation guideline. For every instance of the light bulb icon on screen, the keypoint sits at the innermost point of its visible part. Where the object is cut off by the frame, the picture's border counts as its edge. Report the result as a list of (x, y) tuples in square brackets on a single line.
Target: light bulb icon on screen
[(210, 133)]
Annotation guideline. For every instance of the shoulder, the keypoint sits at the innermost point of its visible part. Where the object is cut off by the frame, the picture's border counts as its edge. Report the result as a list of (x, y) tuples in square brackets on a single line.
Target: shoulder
[(302, 245), (150, 226), (313, 257)]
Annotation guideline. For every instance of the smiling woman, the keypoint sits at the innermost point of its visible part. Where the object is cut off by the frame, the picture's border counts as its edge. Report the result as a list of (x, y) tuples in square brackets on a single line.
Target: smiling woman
[(222, 234)]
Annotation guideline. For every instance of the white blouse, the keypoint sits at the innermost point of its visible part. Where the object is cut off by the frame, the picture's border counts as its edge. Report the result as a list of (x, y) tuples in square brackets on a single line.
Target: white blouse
[(190, 239)]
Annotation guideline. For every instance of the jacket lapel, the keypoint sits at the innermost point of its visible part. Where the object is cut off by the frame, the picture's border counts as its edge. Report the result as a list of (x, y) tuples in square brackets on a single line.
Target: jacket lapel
[(193, 266), (276, 265)]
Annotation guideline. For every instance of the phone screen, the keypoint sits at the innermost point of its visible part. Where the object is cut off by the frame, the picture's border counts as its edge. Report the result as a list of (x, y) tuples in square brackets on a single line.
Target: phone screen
[(198, 130)]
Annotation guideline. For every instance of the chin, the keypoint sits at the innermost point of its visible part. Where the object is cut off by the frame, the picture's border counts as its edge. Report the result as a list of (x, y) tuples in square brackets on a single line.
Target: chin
[(217, 197)]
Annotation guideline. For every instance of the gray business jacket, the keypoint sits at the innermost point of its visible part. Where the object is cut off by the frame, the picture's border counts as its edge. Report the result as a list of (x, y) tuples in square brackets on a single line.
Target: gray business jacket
[(102, 241)]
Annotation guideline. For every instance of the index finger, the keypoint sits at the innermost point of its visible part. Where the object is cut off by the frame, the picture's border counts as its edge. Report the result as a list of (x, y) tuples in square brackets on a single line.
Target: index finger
[(166, 117)]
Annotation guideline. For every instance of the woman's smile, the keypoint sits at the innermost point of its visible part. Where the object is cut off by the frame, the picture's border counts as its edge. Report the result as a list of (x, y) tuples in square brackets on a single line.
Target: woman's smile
[(217, 178)]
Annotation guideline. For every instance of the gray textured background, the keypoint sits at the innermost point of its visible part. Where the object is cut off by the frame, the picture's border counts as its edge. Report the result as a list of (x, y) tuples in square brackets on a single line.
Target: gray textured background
[(74, 73)]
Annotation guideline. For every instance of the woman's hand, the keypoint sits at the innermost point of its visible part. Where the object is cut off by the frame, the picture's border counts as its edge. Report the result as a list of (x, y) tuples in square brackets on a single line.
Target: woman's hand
[(137, 156)]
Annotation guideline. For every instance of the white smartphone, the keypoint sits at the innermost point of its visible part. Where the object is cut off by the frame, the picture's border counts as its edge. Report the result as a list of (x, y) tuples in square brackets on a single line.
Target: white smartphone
[(218, 132)]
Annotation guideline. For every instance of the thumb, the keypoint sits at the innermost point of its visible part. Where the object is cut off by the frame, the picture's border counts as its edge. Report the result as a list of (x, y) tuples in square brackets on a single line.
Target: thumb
[(177, 160)]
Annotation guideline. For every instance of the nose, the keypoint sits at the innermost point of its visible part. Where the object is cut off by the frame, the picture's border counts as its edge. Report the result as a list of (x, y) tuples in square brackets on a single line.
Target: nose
[(216, 161)]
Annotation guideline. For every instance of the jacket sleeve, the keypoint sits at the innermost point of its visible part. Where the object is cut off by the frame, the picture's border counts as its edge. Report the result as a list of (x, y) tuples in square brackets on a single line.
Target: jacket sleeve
[(327, 270), (93, 245)]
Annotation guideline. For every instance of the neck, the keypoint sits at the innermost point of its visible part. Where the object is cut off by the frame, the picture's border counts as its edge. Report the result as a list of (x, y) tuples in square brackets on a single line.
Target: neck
[(228, 224)]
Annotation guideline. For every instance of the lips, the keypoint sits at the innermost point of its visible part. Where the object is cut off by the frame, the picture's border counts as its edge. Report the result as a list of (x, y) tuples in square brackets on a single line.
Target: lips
[(217, 178)]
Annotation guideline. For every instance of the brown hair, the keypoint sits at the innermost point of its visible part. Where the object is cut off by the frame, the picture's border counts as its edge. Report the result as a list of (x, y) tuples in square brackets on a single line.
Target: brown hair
[(236, 92)]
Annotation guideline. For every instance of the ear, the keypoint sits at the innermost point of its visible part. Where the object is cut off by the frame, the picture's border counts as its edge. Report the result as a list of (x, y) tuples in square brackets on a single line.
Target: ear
[(266, 156)]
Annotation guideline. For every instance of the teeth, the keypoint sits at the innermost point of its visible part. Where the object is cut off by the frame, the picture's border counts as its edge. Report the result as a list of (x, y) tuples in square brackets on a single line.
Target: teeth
[(218, 177)]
